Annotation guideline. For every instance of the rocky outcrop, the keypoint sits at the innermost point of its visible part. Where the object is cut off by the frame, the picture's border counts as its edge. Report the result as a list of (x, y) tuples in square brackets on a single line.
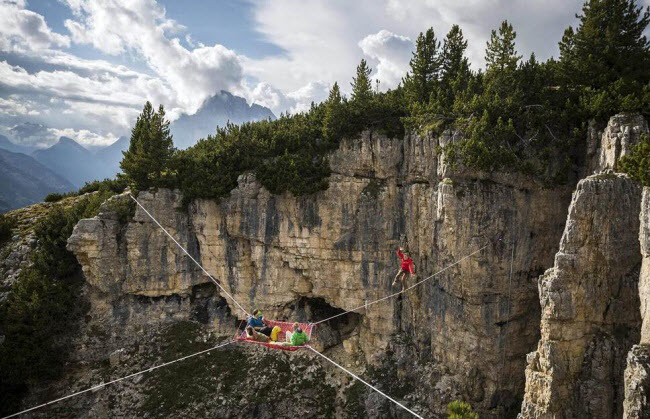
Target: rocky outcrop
[(588, 299), (138, 258), (637, 383), (637, 374), (606, 147), (137, 280)]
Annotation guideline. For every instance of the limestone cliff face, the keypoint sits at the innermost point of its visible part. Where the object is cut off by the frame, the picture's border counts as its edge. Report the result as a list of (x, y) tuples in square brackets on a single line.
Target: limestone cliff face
[(310, 257), (138, 279), (606, 147), (589, 320), (637, 374)]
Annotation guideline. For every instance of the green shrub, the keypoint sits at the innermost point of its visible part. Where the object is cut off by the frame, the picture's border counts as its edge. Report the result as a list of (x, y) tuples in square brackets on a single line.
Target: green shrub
[(124, 207), (116, 185), (54, 197), (460, 410), (637, 163), (7, 223)]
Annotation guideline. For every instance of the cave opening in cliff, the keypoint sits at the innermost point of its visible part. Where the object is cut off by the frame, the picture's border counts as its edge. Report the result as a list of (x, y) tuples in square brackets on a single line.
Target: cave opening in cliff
[(332, 332)]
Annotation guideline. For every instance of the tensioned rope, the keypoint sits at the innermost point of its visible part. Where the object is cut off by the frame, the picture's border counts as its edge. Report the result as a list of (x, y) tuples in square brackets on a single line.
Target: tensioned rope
[(368, 384), (190, 256), (404, 290), (97, 387)]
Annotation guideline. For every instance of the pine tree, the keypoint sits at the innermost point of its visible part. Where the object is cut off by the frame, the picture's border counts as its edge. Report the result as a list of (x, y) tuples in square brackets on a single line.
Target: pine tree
[(425, 68), (609, 45), (146, 162), (454, 68), (500, 54), (334, 119), (453, 58), (362, 85)]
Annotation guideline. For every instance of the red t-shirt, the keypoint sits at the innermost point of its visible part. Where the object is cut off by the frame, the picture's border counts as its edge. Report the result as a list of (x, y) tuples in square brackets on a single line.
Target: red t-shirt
[(407, 262)]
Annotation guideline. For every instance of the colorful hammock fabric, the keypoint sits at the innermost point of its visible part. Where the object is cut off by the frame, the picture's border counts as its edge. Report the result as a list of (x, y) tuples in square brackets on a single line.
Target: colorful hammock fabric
[(284, 328)]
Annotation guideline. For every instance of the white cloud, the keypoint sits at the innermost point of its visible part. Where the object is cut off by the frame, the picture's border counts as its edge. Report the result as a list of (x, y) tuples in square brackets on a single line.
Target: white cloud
[(311, 92), (321, 37), (102, 115), (104, 87), (20, 27), (297, 101), (83, 137), (266, 95), (39, 136), (392, 52), (12, 107), (141, 26)]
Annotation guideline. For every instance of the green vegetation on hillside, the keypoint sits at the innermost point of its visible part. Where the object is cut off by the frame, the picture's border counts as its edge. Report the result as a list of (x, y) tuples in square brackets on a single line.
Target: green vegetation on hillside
[(7, 224), (460, 410), (41, 313), (518, 115)]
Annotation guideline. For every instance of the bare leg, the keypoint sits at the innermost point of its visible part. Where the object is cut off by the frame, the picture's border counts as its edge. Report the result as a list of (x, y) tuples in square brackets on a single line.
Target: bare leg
[(396, 276), (402, 279)]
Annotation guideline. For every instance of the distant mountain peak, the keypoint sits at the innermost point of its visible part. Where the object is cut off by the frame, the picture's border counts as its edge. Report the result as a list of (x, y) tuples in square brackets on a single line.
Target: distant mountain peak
[(67, 141), (216, 110)]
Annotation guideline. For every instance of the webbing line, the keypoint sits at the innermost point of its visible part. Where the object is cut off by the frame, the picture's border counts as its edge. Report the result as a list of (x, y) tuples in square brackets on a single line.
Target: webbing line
[(97, 387), (404, 290), (190, 256), (368, 384)]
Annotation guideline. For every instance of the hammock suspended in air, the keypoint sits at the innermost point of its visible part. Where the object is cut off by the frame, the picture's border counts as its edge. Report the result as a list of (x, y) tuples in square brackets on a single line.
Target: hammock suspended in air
[(284, 328)]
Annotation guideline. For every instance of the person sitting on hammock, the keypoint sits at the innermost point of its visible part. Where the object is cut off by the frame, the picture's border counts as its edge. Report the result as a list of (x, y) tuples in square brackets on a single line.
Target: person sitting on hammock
[(256, 321), (255, 335), (406, 266), (297, 338)]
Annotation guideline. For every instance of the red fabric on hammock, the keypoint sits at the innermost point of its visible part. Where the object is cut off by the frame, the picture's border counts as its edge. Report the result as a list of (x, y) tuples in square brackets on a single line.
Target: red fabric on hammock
[(286, 327)]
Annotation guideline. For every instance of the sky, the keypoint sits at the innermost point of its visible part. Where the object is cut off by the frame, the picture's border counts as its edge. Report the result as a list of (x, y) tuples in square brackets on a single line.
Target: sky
[(84, 68)]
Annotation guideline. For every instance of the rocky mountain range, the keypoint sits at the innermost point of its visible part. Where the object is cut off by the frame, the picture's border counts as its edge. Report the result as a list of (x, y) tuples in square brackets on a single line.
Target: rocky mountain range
[(23, 181), (77, 165), (72, 161)]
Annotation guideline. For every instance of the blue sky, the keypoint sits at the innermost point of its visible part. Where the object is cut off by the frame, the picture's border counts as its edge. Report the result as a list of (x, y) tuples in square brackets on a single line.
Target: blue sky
[(84, 68), (229, 23)]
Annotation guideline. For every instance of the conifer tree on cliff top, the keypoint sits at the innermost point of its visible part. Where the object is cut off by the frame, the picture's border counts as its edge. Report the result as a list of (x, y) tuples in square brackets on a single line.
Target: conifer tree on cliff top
[(453, 60), (454, 70), (361, 84), (608, 44), (425, 68), (606, 59), (334, 119), (500, 54), (146, 162)]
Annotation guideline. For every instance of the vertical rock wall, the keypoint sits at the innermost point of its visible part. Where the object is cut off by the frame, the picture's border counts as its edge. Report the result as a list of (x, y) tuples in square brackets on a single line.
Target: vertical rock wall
[(637, 374), (588, 299)]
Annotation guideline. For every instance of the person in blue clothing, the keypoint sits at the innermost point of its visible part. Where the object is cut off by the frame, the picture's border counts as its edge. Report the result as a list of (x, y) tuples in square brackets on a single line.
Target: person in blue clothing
[(256, 321)]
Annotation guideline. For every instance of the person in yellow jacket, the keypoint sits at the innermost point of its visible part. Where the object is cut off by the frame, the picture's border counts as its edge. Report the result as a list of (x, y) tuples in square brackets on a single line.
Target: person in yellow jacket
[(275, 332)]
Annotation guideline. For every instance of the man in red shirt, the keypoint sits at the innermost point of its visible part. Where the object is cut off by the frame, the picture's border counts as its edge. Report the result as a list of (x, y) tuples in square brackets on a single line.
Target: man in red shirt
[(406, 266)]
